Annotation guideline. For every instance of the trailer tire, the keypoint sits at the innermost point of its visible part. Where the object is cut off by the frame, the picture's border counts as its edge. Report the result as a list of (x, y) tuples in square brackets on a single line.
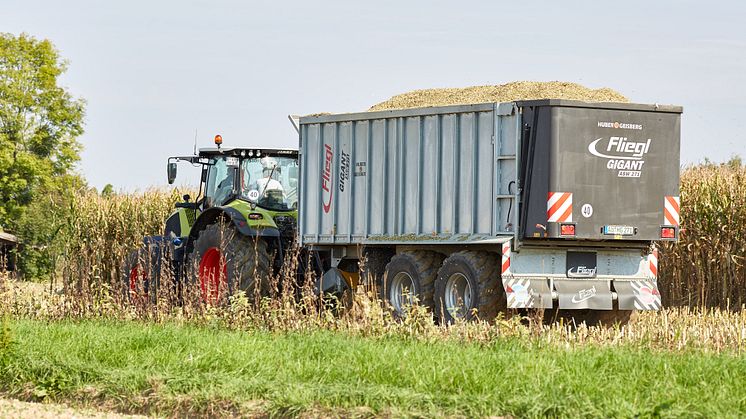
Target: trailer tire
[(245, 264), (467, 282), (414, 272), (374, 266)]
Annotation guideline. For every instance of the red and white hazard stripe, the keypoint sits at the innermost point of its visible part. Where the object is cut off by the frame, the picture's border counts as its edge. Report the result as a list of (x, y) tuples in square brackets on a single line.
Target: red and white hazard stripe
[(653, 263), (559, 207), (506, 258), (671, 211)]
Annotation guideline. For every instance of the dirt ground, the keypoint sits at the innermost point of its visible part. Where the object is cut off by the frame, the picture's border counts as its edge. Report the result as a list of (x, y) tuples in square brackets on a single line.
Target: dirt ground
[(10, 408)]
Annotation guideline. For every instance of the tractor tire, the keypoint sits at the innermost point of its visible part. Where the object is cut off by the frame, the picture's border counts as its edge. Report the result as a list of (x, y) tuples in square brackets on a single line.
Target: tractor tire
[(409, 275), (374, 266), (141, 274), (468, 287), (223, 261)]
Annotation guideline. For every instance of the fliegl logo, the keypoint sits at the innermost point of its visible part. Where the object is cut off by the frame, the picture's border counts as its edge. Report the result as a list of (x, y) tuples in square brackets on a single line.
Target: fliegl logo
[(624, 156), (326, 179), (581, 272)]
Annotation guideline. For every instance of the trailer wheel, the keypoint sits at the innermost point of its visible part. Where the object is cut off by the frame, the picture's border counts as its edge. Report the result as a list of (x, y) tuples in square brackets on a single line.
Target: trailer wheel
[(372, 269), (468, 282), (141, 273), (409, 279), (223, 259)]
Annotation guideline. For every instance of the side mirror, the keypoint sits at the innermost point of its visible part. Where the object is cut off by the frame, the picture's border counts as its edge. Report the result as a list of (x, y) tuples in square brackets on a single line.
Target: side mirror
[(171, 169)]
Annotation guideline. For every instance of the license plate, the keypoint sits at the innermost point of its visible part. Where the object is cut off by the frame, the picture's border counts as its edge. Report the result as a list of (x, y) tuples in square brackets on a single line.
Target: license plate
[(619, 230)]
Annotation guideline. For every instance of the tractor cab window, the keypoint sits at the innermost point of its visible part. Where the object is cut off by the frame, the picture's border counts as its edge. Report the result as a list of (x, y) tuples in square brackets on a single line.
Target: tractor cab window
[(219, 186), (270, 182)]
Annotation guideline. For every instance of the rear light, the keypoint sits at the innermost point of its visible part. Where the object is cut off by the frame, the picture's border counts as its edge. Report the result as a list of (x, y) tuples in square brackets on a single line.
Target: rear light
[(668, 232), (255, 216), (567, 229)]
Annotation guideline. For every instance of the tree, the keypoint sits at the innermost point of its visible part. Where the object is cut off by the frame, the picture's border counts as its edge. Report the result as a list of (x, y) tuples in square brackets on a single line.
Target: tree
[(108, 190), (39, 124)]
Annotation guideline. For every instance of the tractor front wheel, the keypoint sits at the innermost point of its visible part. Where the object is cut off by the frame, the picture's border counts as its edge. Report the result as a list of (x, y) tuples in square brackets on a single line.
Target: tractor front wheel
[(141, 273)]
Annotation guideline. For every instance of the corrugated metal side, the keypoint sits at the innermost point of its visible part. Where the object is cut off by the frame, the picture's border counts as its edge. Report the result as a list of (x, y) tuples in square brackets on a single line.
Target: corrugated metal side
[(398, 175)]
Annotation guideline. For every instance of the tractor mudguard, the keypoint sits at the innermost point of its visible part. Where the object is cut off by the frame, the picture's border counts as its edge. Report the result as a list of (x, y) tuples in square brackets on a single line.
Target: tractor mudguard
[(243, 227), (211, 215)]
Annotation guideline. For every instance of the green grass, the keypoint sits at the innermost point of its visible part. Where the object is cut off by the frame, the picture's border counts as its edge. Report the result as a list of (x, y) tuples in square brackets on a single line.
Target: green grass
[(171, 369)]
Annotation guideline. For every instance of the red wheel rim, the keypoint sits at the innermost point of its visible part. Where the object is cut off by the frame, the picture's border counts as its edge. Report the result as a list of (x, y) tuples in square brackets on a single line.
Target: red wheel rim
[(137, 275), (212, 272)]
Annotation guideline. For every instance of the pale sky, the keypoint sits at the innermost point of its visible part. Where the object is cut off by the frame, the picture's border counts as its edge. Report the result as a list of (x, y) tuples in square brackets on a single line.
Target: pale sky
[(153, 72)]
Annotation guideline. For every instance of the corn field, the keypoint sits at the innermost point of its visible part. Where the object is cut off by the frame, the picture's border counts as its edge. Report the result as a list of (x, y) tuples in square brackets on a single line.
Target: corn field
[(100, 232), (705, 269)]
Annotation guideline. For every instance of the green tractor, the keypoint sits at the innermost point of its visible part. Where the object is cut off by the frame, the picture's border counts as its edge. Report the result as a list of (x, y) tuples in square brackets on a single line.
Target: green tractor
[(234, 234)]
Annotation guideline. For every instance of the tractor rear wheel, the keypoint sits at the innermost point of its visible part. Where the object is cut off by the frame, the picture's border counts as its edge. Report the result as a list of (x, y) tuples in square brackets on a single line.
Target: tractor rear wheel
[(469, 287), (224, 261), (409, 279)]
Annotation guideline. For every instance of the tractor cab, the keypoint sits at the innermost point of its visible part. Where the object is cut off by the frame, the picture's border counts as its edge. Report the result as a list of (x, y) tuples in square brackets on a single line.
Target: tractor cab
[(257, 188), (267, 179)]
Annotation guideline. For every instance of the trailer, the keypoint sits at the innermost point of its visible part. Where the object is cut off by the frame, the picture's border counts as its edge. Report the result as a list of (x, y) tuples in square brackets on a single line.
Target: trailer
[(473, 210)]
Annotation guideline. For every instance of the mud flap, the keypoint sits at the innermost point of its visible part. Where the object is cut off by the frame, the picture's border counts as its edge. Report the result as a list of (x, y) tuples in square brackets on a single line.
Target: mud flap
[(581, 294), (527, 293), (638, 295)]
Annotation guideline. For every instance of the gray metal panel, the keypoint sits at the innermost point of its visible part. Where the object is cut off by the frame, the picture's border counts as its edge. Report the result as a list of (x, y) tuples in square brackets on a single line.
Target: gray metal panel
[(310, 165), (360, 154), (329, 213), (425, 175), (428, 172), (342, 223), (485, 201), (391, 177), (397, 113), (447, 205), (376, 208), (507, 136)]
